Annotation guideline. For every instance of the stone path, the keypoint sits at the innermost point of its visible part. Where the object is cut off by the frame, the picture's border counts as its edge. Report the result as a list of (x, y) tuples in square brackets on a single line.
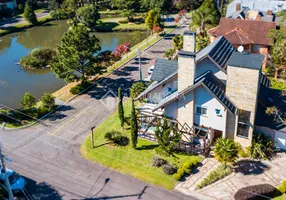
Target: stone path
[(246, 173)]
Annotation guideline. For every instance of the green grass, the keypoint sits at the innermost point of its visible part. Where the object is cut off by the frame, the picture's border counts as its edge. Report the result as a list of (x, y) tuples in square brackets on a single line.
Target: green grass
[(282, 197), (36, 11), (112, 24), (137, 163), (279, 85)]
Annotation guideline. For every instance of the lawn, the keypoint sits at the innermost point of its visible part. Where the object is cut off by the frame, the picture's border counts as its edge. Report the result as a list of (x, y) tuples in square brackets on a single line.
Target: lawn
[(137, 163), (282, 197), (112, 24)]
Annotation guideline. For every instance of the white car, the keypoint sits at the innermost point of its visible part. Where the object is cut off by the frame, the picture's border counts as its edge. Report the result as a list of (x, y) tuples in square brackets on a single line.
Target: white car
[(151, 69), (17, 182)]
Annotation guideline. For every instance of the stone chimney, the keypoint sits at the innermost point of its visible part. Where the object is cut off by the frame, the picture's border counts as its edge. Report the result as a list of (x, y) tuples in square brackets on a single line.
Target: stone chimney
[(238, 6), (189, 43), (242, 87)]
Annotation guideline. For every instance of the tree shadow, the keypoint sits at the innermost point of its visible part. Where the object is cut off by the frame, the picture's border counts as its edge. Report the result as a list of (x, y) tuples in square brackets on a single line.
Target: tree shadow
[(147, 147), (41, 191), (101, 145), (250, 167), (106, 26)]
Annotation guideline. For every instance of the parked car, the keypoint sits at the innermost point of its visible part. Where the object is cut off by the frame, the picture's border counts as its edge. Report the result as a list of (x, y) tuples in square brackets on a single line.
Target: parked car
[(151, 69), (17, 182)]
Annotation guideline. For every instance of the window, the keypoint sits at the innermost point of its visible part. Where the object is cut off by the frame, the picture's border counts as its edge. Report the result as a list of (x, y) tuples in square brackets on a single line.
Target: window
[(243, 123), (201, 110), (169, 89), (217, 111)]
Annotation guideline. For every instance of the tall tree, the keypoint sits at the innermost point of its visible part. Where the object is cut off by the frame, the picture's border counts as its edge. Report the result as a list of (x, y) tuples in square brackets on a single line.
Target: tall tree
[(29, 13), (28, 101), (163, 5), (226, 150), (136, 89), (178, 43), (167, 137), (134, 126), (120, 107), (48, 101), (76, 54), (202, 42), (153, 19), (190, 4), (88, 15)]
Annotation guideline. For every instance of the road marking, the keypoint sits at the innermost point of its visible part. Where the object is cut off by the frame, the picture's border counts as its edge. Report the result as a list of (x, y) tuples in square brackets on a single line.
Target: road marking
[(65, 124)]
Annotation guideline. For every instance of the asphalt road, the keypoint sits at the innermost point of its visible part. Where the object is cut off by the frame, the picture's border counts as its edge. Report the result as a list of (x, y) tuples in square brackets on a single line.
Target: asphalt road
[(19, 20), (48, 154)]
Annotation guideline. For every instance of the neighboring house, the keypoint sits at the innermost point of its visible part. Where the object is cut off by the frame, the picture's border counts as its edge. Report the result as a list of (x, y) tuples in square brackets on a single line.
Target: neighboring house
[(251, 34), (208, 94), (8, 4), (263, 6)]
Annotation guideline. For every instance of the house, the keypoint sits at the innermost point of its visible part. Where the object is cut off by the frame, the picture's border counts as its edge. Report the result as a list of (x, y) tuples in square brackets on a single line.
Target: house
[(264, 7), (251, 34), (211, 93), (8, 4)]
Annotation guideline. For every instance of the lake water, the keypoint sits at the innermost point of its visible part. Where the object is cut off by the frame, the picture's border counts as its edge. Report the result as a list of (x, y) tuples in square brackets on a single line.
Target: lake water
[(14, 81)]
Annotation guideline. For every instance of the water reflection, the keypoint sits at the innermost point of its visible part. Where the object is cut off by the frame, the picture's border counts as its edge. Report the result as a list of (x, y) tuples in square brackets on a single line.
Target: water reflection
[(14, 46)]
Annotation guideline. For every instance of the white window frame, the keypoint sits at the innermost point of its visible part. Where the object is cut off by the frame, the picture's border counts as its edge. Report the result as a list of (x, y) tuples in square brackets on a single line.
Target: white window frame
[(202, 107)]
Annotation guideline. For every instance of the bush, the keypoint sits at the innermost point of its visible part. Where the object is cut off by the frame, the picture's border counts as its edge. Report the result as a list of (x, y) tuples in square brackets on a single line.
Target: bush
[(282, 187), (194, 162), (136, 89), (80, 87), (177, 177), (181, 172), (187, 166), (158, 162), (123, 21), (169, 169), (256, 192), (245, 153), (262, 147), (117, 138), (215, 175)]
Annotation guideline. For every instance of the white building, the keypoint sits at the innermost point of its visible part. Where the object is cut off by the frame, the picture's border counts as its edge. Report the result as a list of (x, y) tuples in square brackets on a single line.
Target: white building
[(214, 91)]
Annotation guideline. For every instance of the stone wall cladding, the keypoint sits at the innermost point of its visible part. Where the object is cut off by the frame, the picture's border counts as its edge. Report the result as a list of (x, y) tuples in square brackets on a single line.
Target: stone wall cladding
[(242, 89), (186, 109), (189, 43), (186, 72)]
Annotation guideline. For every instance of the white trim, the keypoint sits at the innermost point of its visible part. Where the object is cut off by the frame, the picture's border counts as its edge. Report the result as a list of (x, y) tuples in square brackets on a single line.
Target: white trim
[(199, 106)]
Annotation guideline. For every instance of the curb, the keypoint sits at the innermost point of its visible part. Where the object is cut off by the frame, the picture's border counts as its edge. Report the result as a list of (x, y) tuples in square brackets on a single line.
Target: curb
[(97, 81)]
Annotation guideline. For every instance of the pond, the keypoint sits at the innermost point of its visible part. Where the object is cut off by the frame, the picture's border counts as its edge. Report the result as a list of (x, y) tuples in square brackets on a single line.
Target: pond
[(14, 81)]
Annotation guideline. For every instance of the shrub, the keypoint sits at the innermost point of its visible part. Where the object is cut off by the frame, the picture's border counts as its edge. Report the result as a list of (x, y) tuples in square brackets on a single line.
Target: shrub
[(177, 177), (80, 87), (243, 152), (256, 192), (169, 169), (136, 89), (181, 172), (194, 161), (282, 187), (117, 138), (123, 21), (217, 174), (187, 166), (262, 147), (158, 162)]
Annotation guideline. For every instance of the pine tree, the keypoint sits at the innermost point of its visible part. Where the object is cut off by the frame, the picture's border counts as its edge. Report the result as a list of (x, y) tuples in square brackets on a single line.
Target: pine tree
[(167, 137), (134, 127), (29, 13), (120, 107)]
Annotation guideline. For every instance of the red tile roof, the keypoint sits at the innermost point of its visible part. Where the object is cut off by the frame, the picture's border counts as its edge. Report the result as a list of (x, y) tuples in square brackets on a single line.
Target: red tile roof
[(241, 32)]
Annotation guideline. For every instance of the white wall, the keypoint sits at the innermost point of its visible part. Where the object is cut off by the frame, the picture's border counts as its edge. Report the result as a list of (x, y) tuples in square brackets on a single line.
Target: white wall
[(162, 91), (205, 99), (172, 110), (205, 65), (278, 137)]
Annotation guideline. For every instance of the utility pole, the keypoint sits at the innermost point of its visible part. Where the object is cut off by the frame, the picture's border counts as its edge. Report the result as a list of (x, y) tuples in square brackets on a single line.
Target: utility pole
[(3, 168), (140, 68), (92, 137)]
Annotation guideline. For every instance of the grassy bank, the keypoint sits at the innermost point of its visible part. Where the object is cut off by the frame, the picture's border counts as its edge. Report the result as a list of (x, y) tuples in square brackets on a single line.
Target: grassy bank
[(25, 25), (137, 163), (112, 24)]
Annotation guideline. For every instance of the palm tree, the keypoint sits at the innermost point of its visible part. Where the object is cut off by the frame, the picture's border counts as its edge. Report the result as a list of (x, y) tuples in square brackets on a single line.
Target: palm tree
[(202, 20), (225, 150)]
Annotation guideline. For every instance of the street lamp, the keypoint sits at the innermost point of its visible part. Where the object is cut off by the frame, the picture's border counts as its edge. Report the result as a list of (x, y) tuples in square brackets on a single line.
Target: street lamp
[(140, 68), (92, 137)]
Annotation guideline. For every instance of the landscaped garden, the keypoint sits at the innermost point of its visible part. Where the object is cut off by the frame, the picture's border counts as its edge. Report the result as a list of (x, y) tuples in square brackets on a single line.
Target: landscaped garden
[(136, 162)]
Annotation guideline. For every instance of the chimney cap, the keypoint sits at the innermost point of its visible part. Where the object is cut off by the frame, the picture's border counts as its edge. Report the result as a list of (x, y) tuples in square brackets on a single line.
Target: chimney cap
[(187, 54), (189, 32)]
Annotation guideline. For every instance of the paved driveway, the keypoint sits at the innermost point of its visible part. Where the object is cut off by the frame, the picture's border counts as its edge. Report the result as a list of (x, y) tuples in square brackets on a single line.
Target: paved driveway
[(48, 154)]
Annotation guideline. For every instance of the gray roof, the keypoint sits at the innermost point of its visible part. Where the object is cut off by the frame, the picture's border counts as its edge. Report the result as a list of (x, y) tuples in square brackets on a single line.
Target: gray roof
[(220, 51), (242, 13), (155, 84), (163, 68), (212, 83), (260, 5), (246, 60), (267, 98)]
